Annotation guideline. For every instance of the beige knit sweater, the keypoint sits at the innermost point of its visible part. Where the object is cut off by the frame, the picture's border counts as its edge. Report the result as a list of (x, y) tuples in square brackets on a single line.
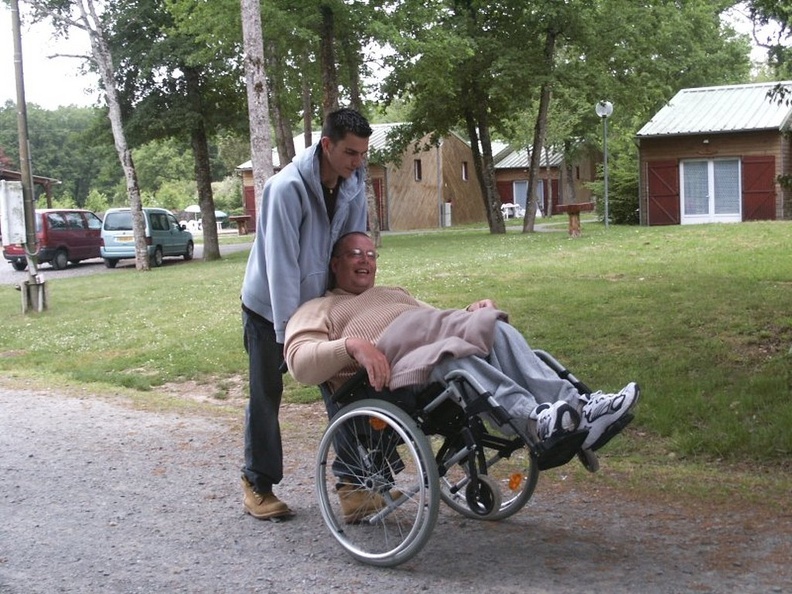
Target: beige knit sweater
[(411, 334), (315, 346)]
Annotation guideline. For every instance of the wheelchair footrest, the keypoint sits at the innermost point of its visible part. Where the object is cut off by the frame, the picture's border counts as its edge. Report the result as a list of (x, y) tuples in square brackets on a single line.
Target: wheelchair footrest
[(559, 449)]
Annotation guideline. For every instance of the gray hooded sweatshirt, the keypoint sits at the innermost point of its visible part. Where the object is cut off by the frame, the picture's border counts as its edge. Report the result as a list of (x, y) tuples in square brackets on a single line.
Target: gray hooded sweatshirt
[(290, 258)]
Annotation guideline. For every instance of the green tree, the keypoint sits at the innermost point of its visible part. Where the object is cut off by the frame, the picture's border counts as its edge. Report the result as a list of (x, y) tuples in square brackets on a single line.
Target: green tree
[(96, 201), (161, 161), (176, 195), (171, 91), (472, 65), (71, 144), (65, 200), (779, 13)]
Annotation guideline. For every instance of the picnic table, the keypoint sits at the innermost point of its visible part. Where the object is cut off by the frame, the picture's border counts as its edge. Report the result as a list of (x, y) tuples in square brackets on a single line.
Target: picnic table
[(511, 210), (574, 210), (242, 222)]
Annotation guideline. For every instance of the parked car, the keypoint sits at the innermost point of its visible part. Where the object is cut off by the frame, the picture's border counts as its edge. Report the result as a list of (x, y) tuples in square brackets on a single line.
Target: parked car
[(62, 236), (164, 236)]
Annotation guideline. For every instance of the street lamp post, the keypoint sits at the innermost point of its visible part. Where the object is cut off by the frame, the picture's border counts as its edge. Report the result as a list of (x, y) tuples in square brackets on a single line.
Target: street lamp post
[(604, 110)]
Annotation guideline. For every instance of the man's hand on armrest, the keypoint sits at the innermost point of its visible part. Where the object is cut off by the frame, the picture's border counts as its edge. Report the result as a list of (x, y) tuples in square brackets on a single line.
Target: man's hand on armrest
[(372, 360), (480, 304)]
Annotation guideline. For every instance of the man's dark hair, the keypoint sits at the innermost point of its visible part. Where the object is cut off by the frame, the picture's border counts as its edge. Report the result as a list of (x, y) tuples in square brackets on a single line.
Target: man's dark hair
[(343, 121)]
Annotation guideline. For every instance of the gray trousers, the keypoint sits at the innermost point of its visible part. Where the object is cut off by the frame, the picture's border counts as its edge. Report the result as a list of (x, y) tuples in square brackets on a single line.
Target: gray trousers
[(515, 376)]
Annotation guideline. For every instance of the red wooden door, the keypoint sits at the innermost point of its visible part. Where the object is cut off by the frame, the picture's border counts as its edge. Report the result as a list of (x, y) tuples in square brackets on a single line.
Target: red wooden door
[(759, 193), (663, 188)]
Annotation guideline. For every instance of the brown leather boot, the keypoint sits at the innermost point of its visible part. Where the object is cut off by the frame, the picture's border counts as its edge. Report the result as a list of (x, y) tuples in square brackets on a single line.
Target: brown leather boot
[(263, 506), (358, 502)]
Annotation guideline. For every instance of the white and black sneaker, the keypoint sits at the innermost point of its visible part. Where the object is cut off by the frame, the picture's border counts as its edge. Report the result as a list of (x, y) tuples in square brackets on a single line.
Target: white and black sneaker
[(555, 419), (605, 415)]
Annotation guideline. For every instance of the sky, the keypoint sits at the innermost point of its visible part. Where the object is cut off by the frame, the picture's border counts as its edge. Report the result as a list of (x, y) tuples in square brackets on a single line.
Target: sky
[(49, 83), (54, 82)]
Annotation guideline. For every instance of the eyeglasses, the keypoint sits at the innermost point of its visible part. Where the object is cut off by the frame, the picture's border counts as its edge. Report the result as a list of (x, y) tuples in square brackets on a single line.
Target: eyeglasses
[(358, 254)]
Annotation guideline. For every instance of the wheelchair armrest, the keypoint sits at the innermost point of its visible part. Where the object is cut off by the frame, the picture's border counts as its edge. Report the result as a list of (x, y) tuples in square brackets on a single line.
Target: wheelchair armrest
[(348, 388)]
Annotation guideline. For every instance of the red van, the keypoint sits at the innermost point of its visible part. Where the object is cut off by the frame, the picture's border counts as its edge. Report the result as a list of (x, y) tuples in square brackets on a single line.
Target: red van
[(63, 235)]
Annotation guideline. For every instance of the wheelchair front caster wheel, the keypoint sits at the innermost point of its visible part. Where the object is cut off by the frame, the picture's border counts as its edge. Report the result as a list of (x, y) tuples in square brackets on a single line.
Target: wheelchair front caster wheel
[(483, 497)]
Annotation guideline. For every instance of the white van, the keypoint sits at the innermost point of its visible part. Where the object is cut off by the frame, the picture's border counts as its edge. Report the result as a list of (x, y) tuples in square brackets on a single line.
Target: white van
[(164, 236)]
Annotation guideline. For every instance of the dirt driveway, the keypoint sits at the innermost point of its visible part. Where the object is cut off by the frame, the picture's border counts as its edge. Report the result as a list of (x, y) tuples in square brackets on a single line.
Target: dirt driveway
[(97, 496)]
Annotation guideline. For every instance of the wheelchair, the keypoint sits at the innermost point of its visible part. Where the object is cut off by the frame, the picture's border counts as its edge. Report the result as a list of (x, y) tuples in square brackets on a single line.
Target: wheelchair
[(406, 451)]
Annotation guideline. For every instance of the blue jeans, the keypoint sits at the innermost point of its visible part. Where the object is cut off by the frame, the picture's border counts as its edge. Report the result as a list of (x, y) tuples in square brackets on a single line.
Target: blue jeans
[(263, 447)]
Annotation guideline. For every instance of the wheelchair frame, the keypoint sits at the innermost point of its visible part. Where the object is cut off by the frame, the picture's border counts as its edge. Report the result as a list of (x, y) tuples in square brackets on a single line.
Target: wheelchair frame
[(403, 454)]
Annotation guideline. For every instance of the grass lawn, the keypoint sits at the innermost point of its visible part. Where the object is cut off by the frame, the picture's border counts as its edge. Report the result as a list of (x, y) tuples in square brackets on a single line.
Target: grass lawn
[(700, 316)]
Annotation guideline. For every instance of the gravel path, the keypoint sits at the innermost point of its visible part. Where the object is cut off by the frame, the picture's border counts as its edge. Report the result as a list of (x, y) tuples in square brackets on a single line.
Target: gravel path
[(97, 496)]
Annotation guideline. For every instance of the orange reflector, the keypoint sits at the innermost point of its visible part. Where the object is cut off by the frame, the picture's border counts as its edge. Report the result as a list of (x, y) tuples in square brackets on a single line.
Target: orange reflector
[(377, 424), (515, 480)]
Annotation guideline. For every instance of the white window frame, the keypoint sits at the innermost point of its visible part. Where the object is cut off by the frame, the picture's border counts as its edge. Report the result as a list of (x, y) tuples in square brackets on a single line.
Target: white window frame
[(710, 216)]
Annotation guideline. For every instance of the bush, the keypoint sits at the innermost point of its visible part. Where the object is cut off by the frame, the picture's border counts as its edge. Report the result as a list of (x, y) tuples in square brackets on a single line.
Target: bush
[(623, 189)]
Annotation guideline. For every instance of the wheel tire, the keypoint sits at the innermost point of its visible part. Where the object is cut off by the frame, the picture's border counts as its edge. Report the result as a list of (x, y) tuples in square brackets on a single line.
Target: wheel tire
[(156, 258), (19, 265), (188, 255), (486, 498), (60, 260), (387, 457), (514, 475), (111, 262)]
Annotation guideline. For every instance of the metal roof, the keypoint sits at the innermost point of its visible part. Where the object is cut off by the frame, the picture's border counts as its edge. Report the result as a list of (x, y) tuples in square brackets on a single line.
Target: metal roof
[(712, 110), (11, 175), (520, 159)]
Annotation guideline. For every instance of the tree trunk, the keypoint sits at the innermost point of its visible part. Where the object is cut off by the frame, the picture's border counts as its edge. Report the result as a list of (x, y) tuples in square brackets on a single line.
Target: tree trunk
[(203, 177), (202, 167), (540, 129), (284, 138), (307, 103), (373, 212), (90, 22), (570, 192), (374, 226), (483, 163), (351, 48), (258, 101), (329, 70)]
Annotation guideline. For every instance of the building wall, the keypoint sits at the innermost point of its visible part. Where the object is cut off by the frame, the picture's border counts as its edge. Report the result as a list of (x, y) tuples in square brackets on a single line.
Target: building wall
[(414, 203), (419, 204), (407, 203), (785, 170), (714, 146), (583, 171), (463, 193)]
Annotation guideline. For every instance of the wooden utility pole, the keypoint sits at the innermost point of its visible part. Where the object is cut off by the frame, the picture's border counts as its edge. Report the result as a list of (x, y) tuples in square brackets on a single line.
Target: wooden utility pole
[(34, 294)]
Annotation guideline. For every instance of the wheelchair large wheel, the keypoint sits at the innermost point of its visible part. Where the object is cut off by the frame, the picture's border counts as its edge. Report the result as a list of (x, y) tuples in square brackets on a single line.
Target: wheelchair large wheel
[(505, 477), (374, 451)]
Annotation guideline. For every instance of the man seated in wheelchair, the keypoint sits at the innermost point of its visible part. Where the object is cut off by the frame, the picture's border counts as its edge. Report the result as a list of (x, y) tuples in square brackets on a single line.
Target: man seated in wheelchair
[(401, 341)]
